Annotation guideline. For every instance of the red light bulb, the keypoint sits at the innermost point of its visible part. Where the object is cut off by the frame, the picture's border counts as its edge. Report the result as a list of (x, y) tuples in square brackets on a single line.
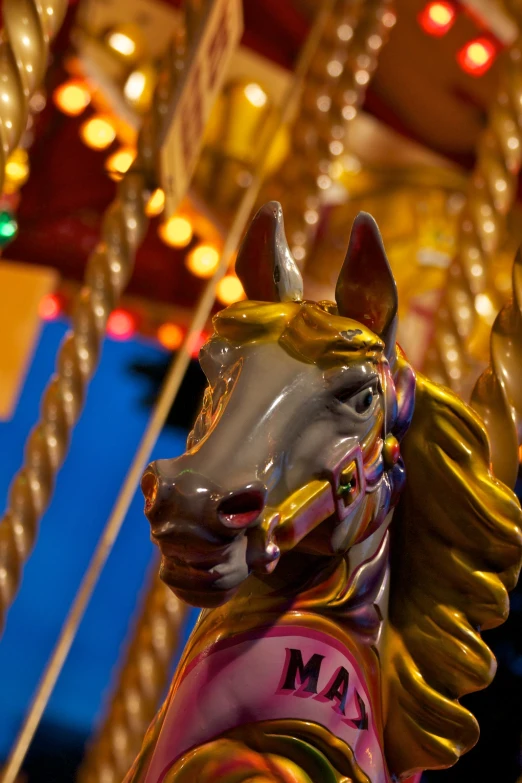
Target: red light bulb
[(121, 325), (437, 17), (200, 342), (50, 307)]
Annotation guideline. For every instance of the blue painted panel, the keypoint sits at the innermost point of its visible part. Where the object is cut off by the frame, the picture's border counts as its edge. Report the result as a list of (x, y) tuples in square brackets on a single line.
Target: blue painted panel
[(102, 447)]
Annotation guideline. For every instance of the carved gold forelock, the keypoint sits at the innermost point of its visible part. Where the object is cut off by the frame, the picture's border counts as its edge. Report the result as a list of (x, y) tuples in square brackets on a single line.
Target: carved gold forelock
[(141, 679), (337, 81), (472, 296), (108, 271), (28, 29)]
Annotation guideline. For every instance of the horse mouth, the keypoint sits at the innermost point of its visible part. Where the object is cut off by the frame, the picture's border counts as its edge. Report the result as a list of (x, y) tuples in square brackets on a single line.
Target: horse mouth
[(207, 579)]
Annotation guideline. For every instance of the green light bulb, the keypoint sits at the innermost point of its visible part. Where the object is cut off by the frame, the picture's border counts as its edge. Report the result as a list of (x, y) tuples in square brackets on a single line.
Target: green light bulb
[(8, 228)]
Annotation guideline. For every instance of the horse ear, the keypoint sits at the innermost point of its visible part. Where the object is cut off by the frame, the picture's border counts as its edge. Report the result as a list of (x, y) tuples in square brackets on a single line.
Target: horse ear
[(366, 289), (264, 264)]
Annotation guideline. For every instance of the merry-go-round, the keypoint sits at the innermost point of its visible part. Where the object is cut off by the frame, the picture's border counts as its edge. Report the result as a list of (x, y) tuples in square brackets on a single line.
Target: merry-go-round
[(260, 391)]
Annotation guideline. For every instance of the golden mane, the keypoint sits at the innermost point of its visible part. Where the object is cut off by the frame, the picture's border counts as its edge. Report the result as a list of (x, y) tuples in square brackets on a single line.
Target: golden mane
[(456, 546)]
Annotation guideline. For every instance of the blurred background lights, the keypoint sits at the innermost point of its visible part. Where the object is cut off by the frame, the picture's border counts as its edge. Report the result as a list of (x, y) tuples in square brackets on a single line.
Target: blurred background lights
[(121, 325), (122, 43), (203, 260), (437, 18), (127, 41), (16, 169), (156, 203), (98, 132), (230, 290), (176, 231), (199, 343), (255, 94), (134, 85), (477, 56), (139, 87), (72, 97), (8, 227), (120, 162), (50, 307), (170, 335)]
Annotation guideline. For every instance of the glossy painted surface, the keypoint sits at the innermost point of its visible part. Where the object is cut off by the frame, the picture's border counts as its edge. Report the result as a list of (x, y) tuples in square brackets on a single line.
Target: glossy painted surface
[(281, 515)]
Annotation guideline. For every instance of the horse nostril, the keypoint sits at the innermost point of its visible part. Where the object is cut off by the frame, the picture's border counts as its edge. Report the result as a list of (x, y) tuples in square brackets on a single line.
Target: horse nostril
[(149, 487), (241, 509)]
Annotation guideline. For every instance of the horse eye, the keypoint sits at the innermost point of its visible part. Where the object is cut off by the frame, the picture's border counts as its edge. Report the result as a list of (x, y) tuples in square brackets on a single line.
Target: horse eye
[(361, 401)]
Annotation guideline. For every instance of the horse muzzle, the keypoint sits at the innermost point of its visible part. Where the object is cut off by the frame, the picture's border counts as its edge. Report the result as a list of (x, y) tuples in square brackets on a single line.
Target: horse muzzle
[(200, 529)]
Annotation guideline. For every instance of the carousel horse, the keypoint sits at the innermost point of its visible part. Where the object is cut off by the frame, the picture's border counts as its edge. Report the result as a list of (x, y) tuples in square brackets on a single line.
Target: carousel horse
[(338, 519)]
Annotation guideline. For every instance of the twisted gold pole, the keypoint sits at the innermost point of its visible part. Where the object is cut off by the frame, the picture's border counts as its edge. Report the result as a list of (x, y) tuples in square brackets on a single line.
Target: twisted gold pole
[(119, 737), (337, 81), (108, 271), (497, 395), (29, 27), (141, 681), (472, 298)]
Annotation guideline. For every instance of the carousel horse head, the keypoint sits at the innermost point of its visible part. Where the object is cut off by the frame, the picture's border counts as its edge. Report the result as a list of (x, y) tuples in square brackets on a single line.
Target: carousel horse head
[(313, 430), (300, 423)]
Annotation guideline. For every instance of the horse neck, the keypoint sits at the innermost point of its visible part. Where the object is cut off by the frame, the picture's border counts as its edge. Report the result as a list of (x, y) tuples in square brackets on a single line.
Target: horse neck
[(350, 589)]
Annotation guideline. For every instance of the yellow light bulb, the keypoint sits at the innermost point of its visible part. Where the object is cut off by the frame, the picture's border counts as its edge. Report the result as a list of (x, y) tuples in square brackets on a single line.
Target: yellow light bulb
[(119, 162), (72, 97), (230, 290), (155, 203), (203, 260), (176, 231), (478, 53), (98, 132), (16, 170), (139, 87), (255, 94), (122, 43), (134, 85)]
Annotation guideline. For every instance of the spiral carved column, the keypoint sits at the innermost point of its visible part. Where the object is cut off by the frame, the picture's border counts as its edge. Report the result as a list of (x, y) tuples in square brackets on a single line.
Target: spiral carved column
[(29, 27), (497, 395), (141, 680), (338, 78), (471, 298), (108, 271)]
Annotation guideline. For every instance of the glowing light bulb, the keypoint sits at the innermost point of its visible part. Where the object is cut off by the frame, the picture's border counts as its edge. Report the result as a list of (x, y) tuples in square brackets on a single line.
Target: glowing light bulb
[(176, 231), (134, 85), (50, 307), (203, 260), (98, 132), (255, 94), (230, 290), (170, 336), (8, 227), (72, 97), (477, 56), (121, 325), (155, 203), (122, 43), (16, 169), (484, 305), (437, 18), (119, 162)]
